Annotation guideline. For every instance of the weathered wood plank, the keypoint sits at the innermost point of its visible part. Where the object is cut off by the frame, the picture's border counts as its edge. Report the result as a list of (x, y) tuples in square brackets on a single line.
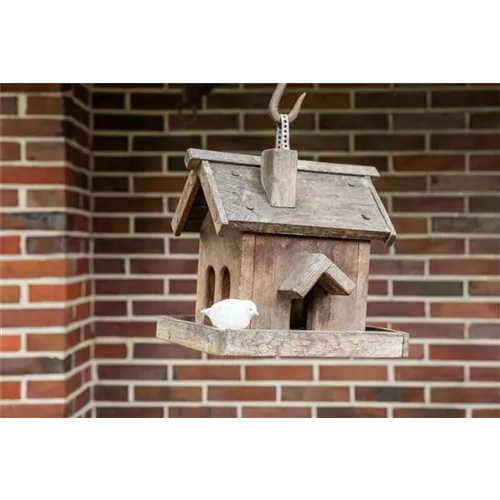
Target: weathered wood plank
[(334, 281), (276, 255), (363, 266), (271, 257), (213, 197), (392, 236), (281, 343), (247, 264), (218, 252), (278, 174), (185, 203), (303, 277), (194, 157), (326, 206), (316, 268), (336, 312)]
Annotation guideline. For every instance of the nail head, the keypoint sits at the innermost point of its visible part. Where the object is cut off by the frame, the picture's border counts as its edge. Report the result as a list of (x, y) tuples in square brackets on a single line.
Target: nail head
[(235, 173)]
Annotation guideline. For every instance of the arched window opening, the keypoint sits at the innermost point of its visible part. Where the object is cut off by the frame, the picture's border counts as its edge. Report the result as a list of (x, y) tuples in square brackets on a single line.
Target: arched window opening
[(226, 283), (209, 290)]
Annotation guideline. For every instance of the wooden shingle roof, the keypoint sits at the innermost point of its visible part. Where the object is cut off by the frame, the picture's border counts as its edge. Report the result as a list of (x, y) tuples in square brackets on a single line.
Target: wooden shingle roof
[(333, 200)]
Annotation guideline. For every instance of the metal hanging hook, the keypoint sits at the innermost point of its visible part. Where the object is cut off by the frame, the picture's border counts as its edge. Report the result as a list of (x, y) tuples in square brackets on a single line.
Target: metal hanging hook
[(187, 121), (274, 103), (192, 98)]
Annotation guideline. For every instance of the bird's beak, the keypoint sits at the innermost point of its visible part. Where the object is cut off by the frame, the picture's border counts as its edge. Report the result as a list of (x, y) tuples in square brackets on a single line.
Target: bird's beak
[(256, 313)]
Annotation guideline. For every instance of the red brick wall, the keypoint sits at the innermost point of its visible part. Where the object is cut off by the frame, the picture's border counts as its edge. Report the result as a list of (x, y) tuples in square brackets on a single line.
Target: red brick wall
[(438, 152), (46, 290)]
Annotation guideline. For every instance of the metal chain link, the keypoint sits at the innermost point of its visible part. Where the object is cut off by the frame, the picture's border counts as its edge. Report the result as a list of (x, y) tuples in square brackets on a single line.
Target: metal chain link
[(283, 133)]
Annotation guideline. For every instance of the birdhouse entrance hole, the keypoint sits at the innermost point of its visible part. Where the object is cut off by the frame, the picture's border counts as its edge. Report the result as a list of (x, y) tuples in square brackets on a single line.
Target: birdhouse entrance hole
[(301, 309), (225, 283), (298, 313)]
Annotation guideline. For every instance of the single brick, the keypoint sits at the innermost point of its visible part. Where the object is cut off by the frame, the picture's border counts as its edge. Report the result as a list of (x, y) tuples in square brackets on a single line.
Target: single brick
[(241, 393), (201, 412), (204, 372), (276, 412), (44, 105), (429, 373), (170, 393), (317, 393), (271, 372), (346, 372), (429, 163), (10, 343), (390, 394), (10, 390)]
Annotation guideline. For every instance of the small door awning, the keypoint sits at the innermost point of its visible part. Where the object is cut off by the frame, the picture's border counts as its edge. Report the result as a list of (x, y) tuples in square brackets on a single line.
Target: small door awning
[(312, 269)]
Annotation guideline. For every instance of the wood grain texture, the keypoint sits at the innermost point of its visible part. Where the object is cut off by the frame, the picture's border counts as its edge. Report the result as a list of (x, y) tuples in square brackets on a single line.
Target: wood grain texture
[(342, 206), (213, 197), (185, 203), (278, 174), (316, 268), (363, 267), (326, 205), (234, 251), (334, 281), (194, 157), (304, 276), (372, 343), (218, 252), (197, 213), (276, 255), (393, 235), (247, 271), (344, 312)]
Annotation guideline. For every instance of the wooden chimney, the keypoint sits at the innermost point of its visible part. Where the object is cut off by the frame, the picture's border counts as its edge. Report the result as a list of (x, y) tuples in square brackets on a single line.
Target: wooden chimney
[(278, 174)]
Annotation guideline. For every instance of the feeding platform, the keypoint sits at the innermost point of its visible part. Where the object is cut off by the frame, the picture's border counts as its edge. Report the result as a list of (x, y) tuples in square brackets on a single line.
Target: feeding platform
[(372, 343), (294, 237)]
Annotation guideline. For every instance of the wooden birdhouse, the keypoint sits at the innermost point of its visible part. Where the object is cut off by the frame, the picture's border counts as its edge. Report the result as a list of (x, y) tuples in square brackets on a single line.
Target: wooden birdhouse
[(294, 237)]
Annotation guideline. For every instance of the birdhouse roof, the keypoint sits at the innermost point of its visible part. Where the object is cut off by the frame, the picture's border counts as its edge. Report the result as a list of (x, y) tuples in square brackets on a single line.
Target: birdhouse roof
[(333, 200)]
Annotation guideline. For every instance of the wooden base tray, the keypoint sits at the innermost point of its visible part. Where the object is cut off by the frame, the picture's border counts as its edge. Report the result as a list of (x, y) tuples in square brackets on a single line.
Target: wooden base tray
[(372, 343)]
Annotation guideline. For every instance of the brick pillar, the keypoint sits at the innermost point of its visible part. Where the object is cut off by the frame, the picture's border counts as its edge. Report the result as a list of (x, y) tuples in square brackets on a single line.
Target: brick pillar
[(46, 317)]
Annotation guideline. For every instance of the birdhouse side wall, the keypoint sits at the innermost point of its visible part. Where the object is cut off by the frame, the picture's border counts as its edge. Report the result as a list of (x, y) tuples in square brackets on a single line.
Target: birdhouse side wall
[(219, 266), (276, 256)]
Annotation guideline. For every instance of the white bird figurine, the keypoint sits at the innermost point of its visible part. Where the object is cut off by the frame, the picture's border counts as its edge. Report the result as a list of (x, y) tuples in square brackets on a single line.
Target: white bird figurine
[(231, 313)]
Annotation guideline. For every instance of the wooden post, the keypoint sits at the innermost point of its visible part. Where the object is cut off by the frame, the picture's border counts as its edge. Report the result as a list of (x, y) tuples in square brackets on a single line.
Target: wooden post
[(278, 174)]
